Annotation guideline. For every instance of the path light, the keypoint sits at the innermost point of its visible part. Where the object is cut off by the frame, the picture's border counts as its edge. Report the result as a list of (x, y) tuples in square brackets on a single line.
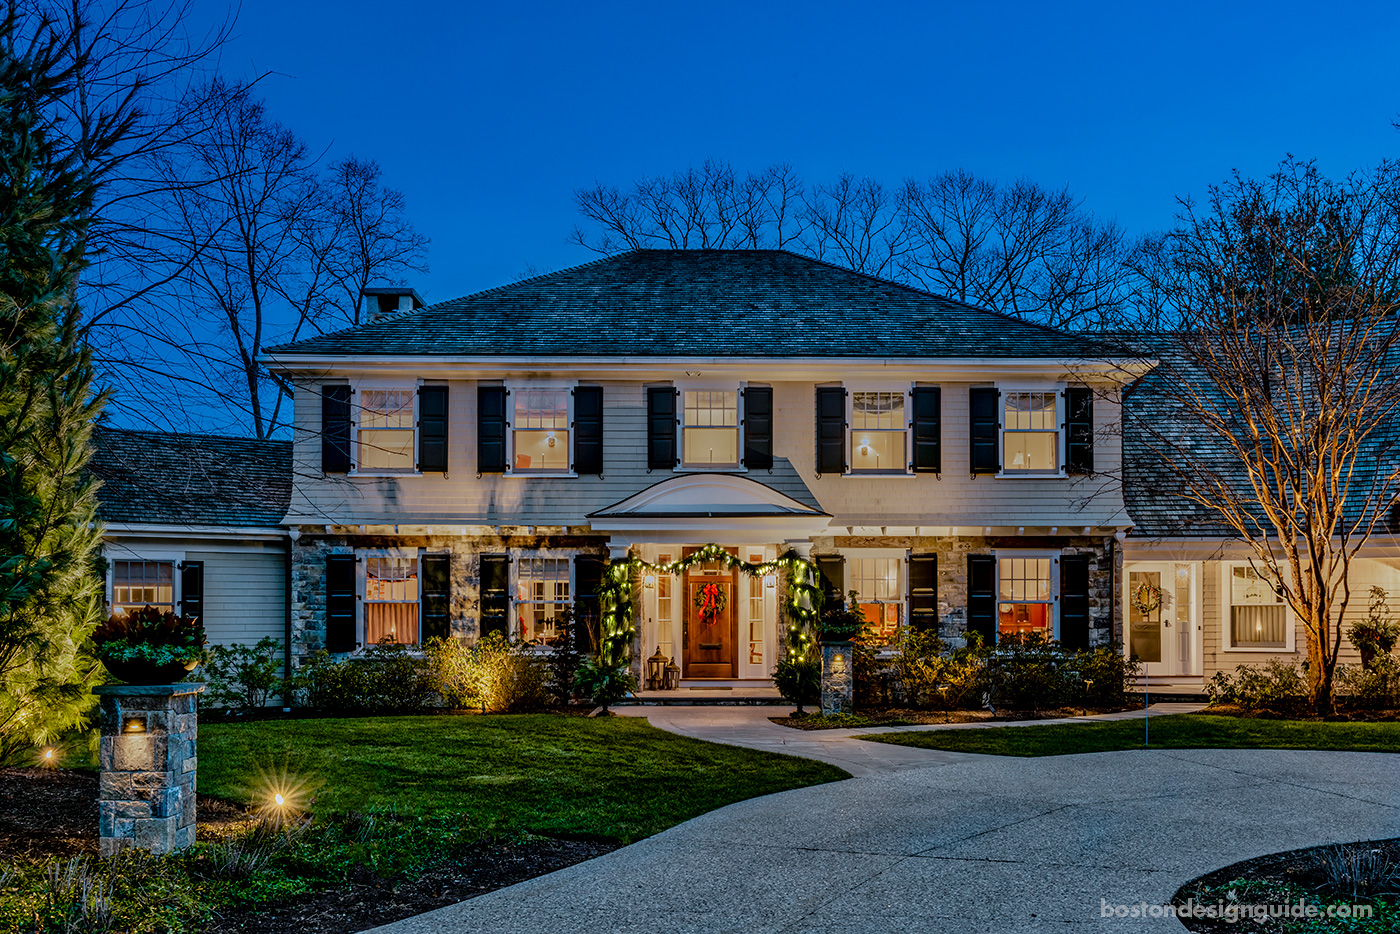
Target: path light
[(49, 757)]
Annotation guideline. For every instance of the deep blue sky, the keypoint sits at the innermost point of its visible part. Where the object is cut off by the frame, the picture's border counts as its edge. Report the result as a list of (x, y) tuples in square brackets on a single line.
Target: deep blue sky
[(488, 115)]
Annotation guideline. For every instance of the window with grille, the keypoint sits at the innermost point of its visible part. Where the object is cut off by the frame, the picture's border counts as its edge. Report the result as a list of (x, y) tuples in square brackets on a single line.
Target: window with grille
[(1030, 432), (540, 431), (665, 609), (755, 614), (1026, 596), (391, 599), (710, 428), (143, 583), (542, 597), (385, 433), (1258, 616), (879, 594), (879, 432)]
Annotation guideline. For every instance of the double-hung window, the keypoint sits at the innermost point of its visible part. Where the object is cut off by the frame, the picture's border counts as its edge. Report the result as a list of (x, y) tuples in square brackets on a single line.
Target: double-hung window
[(1026, 600), (384, 436), (879, 593), (391, 599), (879, 432), (136, 584), (540, 431), (542, 596), (1258, 616), (1030, 432), (710, 428)]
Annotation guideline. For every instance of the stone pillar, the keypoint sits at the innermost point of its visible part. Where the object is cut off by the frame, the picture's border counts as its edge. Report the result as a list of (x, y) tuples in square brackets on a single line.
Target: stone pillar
[(146, 796), (838, 678)]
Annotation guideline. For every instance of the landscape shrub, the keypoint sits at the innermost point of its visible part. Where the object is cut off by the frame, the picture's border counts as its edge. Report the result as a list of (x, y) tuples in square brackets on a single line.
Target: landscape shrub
[(604, 684), (242, 676), (507, 675), (1101, 674), (567, 650), (1030, 671), (386, 679), (1275, 685), (799, 681), (1375, 636), (1373, 688)]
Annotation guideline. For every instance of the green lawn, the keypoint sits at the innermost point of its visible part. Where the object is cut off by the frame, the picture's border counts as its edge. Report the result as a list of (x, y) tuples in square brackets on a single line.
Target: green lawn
[(615, 778), (1178, 731)]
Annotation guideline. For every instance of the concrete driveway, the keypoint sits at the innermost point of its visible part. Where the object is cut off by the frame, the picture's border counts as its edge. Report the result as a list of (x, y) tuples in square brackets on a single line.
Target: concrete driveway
[(963, 844)]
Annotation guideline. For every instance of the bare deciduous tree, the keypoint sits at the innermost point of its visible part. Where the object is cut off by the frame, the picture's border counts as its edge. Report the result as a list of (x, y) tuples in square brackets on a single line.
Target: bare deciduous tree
[(1274, 407), (1017, 248)]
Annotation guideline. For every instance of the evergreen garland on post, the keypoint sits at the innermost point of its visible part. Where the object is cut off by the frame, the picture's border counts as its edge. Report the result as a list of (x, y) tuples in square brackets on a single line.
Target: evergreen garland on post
[(50, 593)]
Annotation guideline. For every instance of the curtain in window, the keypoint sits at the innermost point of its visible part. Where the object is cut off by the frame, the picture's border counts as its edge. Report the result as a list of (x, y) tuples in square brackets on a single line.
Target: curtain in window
[(397, 622), (1258, 625)]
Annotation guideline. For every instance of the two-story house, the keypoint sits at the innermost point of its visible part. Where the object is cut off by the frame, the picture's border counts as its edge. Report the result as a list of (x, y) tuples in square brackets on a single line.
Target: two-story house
[(469, 466)]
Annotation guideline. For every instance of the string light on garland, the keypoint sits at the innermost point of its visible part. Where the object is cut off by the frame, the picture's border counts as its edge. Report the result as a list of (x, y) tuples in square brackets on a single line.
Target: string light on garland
[(617, 597)]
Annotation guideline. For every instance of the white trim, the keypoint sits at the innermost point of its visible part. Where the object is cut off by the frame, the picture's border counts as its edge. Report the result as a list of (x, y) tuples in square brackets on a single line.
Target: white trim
[(382, 384), (1227, 592), (556, 385), (362, 556), (1195, 664), (692, 385), (513, 578), (174, 558), (871, 387), (1054, 601), (153, 530), (1058, 390)]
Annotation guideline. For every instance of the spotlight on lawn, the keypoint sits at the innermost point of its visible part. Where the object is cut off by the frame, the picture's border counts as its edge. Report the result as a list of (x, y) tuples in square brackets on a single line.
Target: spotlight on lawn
[(48, 757), (281, 795)]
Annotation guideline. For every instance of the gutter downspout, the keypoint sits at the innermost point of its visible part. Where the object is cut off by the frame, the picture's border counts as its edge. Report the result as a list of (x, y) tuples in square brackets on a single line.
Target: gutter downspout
[(292, 536)]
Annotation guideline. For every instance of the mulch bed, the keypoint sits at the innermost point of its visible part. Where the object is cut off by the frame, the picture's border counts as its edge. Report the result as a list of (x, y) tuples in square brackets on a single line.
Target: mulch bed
[(52, 813), (814, 721), (1342, 716), (1263, 877)]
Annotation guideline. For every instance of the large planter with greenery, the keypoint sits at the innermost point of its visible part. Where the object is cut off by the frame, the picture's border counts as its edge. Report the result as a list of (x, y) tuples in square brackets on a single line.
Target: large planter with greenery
[(150, 646)]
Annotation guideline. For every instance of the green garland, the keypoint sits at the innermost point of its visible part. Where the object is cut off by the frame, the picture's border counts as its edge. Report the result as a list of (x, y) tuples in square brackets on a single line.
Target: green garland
[(617, 599)]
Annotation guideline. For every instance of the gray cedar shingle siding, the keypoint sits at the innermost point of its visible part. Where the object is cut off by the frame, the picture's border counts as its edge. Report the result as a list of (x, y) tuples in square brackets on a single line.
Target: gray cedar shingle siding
[(178, 479), (726, 303)]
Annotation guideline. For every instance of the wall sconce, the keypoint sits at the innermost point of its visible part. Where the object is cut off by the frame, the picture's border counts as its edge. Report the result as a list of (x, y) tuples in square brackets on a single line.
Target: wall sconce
[(550, 436), (770, 581), (649, 581), (133, 724), (865, 449)]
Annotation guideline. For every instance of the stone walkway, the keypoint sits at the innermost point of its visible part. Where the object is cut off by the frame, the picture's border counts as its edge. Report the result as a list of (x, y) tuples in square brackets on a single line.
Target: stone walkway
[(751, 727)]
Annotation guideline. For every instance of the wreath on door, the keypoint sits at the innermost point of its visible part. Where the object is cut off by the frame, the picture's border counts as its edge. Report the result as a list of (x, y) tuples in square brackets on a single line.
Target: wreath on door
[(710, 600), (1147, 598)]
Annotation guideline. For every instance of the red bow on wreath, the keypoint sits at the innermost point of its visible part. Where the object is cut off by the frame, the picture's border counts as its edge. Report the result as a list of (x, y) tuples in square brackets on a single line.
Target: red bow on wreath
[(710, 600)]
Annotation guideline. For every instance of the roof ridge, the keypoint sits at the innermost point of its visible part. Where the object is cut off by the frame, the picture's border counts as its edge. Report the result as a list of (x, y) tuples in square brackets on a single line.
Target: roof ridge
[(152, 433)]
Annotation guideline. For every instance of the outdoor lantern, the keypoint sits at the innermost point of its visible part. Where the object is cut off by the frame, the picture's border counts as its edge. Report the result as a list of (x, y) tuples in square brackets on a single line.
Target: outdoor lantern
[(673, 676), (656, 671), (770, 581), (650, 581)]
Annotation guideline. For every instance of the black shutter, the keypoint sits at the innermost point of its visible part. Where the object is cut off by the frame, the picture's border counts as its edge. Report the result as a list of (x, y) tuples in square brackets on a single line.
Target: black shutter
[(831, 429), (661, 428), (923, 593), (432, 429), (588, 581), (495, 594), (1079, 423), (588, 430), (437, 597), (192, 589), (832, 569), (340, 603), (491, 429), (982, 596), (1074, 601), (335, 429), (758, 428), (984, 411), (928, 430)]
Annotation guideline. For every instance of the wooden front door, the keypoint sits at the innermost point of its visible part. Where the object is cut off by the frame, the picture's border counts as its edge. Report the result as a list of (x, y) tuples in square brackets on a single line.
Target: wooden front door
[(710, 638)]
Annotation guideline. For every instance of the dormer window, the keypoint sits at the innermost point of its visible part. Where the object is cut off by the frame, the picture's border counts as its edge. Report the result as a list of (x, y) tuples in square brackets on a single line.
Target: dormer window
[(540, 431), (710, 428), (385, 432)]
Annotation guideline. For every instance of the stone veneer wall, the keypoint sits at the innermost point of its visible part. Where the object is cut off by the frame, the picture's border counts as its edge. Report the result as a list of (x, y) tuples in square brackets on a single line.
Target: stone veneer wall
[(952, 555), (309, 570)]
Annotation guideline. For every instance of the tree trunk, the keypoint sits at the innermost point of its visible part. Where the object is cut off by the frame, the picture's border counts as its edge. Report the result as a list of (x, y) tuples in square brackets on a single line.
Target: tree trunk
[(1320, 671)]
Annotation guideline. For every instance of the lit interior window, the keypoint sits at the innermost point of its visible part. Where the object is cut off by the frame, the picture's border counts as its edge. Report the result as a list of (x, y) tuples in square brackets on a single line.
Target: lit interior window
[(391, 599), (541, 597), (1025, 596), (878, 432), (879, 594), (710, 430), (541, 431), (386, 429), (143, 583), (1258, 617), (1030, 432)]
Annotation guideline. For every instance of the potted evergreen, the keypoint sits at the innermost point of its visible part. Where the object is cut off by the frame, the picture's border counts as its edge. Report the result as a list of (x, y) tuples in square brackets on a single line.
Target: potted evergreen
[(150, 646)]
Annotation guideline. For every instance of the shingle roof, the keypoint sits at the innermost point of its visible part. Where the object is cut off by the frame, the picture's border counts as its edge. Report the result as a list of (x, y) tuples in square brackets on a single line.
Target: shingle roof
[(150, 477), (738, 303)]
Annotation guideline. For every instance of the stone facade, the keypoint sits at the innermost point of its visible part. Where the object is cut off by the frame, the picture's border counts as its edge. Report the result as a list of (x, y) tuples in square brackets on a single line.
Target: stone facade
[(314, 544), (148, 758)]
